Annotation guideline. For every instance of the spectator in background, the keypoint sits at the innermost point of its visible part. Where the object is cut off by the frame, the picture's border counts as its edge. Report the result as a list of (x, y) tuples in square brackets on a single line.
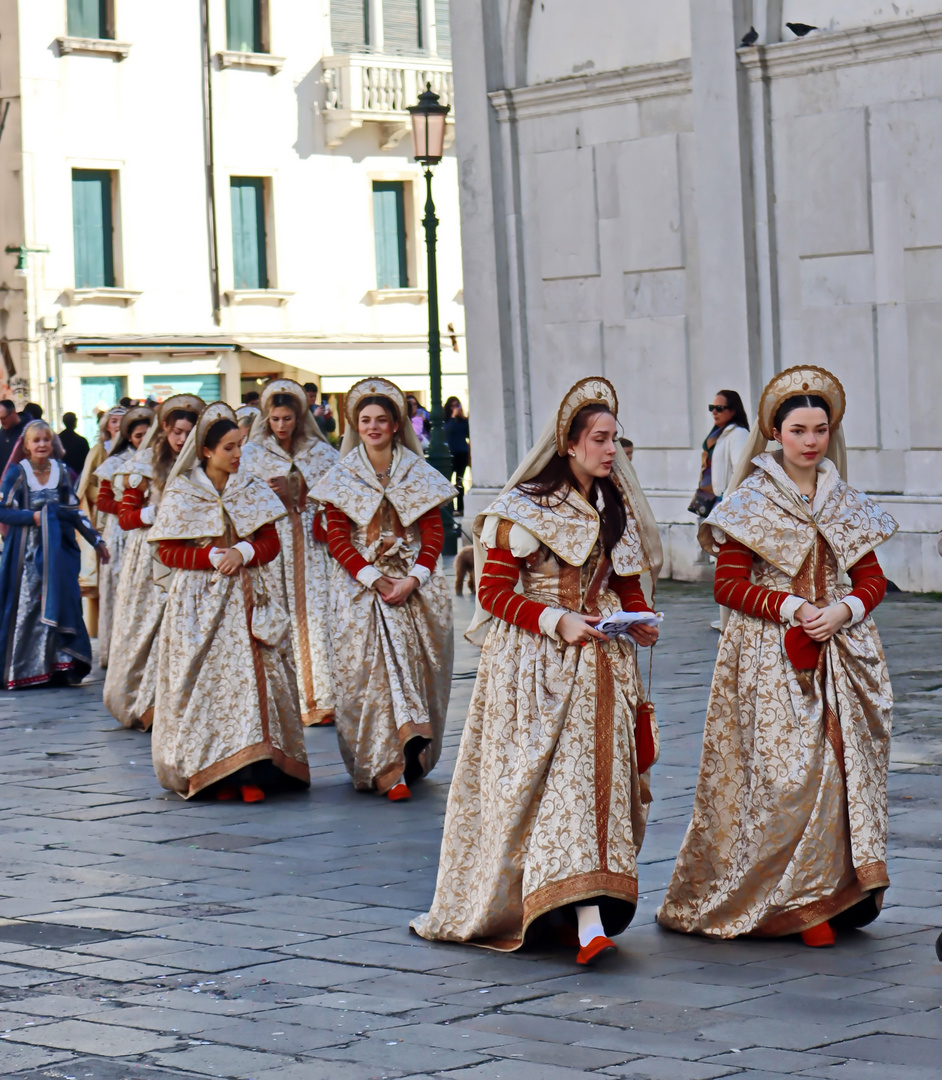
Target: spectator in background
[(251, 397), (126, 402), (419, 419), (320, 411), (458, 435), (629, 447), (32, 411), (74, 445), (11, 428)]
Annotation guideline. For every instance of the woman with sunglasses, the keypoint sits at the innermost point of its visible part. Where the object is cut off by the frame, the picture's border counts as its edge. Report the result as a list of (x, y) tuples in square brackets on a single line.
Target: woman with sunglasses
[(721, 450)]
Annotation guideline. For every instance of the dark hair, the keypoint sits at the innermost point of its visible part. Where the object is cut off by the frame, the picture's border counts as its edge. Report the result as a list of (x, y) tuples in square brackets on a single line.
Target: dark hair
[(163, 455), (384, 403), (216, 433), (136, 424), (309, 388), (249, 396), (8, 406), (69, 419), (734, 401), (33, 410), (556, 478), (626, 444), (126, 402), (799, 401), (289, 401), (449, 405)]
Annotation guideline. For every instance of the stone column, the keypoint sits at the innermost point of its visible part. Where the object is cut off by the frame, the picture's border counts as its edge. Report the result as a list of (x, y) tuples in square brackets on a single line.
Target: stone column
[(725, 204)]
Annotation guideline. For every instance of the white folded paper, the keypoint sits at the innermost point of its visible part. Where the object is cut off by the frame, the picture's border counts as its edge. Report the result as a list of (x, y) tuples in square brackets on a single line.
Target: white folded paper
[(622, 621)]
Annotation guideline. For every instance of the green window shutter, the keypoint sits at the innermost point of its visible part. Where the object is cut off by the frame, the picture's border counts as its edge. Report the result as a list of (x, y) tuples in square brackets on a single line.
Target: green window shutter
[(244, 25), (402, 27), (87, 18), (92, 228), (248, 232), (349, 25), (389, 227), (443, 29)]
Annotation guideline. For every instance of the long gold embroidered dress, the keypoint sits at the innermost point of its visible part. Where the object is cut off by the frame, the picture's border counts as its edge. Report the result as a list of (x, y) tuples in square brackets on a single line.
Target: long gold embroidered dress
[(115, 538), (547, 807), (790, 815), (226, 695), (391, 665), (300, 574)]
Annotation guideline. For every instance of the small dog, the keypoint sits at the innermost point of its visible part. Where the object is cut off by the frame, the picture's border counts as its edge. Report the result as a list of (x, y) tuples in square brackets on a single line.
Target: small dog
[(464, 568)]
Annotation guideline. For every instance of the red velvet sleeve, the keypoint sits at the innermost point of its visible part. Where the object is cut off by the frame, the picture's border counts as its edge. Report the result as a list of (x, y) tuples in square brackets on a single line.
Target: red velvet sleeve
[(733, 588), (629, 592), (266, 544), (339, 544), (869, 581), (107, 503), (496, 592), (130, 507), (433, 538), (181, 555), (319, 527)]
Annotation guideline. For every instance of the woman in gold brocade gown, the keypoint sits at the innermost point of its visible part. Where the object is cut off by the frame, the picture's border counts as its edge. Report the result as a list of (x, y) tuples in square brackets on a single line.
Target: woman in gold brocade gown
[(227, 706), (390, 611), (789, 822), (131, 682), (549, 800), (134, 426), (290, 453)]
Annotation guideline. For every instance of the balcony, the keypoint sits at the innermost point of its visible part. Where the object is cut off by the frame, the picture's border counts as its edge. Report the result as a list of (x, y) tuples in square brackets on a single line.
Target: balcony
[(376, 89)]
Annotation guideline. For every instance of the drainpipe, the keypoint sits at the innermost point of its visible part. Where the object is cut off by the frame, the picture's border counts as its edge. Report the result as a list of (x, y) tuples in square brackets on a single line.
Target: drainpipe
[(210, 162)]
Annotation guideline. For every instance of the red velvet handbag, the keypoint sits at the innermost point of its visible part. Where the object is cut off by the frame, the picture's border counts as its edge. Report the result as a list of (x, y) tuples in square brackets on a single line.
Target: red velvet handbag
[(801, 650), (647, 740)]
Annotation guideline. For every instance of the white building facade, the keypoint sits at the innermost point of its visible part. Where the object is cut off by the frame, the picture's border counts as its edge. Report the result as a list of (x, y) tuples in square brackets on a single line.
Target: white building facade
[(645, 198), (212, 192)]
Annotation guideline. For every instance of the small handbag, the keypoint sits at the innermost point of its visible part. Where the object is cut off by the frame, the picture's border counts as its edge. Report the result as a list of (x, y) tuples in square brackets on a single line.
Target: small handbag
[(270, 620), (647, 738), (701, 504), (801, 650)]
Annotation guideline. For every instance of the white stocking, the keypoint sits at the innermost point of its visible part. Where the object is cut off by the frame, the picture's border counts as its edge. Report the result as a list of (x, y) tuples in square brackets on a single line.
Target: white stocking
[(590, 923)]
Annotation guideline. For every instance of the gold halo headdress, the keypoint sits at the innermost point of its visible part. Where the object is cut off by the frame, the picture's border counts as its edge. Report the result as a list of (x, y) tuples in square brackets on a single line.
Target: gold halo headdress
[(383, 388), (192, 451), (135, 416), (595, 390), (796, 382), (185, 402), (306, 422)]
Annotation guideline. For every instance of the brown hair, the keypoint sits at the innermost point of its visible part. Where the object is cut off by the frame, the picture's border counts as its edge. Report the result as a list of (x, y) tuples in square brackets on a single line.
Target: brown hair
[(164, 457), (289, 401), (799, 401), (556, 478)]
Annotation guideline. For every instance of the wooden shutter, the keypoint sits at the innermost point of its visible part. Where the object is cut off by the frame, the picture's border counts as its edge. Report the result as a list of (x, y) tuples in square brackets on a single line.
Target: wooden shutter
[(248, 232), (87, 18), (389, 227), (349, 25), (92, 228), (443, 28), (402, 27), (244, 25)]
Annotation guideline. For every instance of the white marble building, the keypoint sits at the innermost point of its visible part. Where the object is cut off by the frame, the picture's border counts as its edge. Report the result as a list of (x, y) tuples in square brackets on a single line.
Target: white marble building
[(226, 191), (643, 197)]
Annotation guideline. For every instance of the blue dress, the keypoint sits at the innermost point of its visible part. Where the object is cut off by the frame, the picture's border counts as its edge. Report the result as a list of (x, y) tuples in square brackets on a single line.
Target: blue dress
[(42, 634)]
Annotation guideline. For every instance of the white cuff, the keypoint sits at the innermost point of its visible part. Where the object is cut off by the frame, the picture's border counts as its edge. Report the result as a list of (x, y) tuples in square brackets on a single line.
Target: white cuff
[(148, 514), (789, 609), (368, 576), (216, 556), (420, 573), (549, 620), (857, 610), (248, 552)]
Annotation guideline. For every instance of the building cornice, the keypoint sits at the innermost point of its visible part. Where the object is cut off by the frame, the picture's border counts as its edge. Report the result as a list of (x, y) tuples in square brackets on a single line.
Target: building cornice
[(604, 88), (229, 58), (114, 50), (825, 50)]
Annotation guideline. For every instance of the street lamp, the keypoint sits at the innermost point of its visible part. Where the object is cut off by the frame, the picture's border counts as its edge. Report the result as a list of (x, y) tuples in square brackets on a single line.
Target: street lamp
[(21, 251), (428, 146)]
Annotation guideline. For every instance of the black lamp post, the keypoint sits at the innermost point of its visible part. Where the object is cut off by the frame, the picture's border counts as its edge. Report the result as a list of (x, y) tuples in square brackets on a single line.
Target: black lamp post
[(428, 143)]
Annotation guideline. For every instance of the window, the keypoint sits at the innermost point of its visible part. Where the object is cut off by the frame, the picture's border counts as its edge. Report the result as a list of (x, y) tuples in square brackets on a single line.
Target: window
[(389, 227), (92, 228), (166, 385), (246, 26), (99, 392), (443, 29), (89, 19), (249, 257), (349, 25), (402, 27)]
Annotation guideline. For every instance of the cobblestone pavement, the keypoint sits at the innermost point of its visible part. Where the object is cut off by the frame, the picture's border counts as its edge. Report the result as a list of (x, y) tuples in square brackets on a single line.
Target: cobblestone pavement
[(146, 937)]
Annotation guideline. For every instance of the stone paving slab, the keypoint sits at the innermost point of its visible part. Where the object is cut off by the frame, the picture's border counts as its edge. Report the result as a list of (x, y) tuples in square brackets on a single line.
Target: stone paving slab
[(141, 936)]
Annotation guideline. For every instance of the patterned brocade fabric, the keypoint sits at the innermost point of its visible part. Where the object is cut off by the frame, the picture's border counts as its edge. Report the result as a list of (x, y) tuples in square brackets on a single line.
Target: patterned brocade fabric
[(340, 530), (182, 555)]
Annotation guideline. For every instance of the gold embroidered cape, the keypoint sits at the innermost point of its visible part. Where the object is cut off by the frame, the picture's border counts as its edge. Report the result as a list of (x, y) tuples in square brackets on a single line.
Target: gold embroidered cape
[(789, 822)]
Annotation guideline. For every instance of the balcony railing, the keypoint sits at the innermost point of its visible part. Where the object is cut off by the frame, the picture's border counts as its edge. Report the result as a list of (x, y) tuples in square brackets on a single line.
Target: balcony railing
[(371, 88)]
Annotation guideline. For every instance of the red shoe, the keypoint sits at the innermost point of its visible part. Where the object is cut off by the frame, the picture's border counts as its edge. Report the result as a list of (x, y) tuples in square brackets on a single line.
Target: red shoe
[(398, 793), (595, 950), (251, 793), (226, 794), (819, 937)]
